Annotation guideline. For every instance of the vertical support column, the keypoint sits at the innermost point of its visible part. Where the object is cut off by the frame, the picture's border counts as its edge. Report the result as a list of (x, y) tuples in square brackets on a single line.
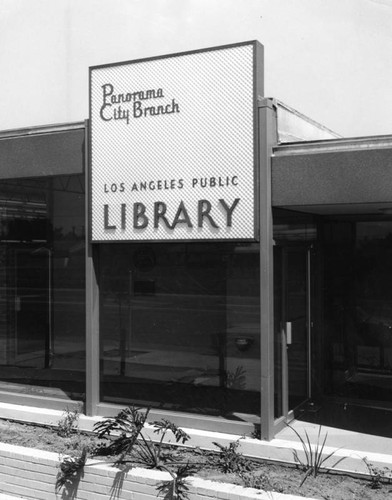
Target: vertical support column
[(92, 302), (267, 137)]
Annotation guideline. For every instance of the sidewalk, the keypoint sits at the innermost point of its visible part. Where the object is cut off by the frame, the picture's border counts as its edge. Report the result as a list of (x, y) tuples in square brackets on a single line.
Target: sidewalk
[(363, 443)]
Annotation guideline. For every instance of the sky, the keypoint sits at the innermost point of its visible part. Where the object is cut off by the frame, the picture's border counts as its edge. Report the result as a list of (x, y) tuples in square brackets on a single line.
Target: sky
[(329, 59)]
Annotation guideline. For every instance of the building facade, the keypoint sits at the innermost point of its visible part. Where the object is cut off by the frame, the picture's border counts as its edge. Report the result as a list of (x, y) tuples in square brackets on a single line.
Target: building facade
[(228, 331)]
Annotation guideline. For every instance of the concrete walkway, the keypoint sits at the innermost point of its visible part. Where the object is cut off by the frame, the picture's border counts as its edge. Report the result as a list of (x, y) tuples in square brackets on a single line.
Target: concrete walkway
[(9, 497)]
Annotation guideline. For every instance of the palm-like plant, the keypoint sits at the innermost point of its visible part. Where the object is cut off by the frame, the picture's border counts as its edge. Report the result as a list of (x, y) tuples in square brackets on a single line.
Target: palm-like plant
[(129, 439), (127, 426), (124, 437)]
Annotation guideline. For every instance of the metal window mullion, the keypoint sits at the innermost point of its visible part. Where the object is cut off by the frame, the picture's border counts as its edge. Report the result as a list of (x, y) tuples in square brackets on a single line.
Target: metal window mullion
[(92, 304)]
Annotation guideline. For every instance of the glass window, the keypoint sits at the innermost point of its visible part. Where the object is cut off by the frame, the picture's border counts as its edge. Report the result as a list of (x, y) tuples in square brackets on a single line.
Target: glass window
[(180, 326), (42, 286), (358, 309)]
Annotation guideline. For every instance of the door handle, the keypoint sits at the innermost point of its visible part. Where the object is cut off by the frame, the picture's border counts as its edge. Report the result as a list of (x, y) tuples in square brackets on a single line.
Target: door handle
[(289, 337)]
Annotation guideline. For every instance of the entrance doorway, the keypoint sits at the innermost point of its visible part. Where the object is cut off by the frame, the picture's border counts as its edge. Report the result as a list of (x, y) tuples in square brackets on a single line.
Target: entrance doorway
[(292, 327), (356, 333)]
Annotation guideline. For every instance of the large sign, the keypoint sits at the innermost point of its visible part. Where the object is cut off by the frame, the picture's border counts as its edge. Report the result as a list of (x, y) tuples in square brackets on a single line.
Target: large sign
[(172, 146)]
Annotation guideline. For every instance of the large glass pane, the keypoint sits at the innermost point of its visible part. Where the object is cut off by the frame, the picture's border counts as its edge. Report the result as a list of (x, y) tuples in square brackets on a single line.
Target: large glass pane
[(294, 234), (180, 326), (42, 304), (358, 309)]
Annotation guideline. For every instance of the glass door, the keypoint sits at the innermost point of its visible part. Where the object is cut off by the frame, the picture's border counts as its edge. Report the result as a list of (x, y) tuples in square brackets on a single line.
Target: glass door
[(292, 327), (296, 324)]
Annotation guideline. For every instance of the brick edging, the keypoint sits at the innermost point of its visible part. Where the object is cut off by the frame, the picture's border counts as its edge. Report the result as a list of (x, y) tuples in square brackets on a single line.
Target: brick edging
[(31, 474)]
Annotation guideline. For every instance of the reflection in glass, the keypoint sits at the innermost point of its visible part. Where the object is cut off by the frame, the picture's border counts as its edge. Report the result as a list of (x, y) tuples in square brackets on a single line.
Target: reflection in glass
[(294, 234), (358, 309), (279, 341), (42, 286), (180, 326)]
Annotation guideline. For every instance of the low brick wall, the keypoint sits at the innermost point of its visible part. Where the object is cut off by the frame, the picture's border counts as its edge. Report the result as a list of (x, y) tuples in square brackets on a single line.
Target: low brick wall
[(31, 474)]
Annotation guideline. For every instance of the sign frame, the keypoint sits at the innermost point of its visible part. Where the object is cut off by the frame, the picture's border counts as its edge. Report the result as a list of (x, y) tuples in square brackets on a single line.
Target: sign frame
[(258, 93)]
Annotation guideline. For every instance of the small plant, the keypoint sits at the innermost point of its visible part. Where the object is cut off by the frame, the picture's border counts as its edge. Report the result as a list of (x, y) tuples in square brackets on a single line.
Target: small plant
[(71, 469), (378, 475), (236, 379), (128, 426), (257, 481), (126, 441), (176, 488), (152, 454), (314, 454), (230, 459), (256, 433), (68, 423)]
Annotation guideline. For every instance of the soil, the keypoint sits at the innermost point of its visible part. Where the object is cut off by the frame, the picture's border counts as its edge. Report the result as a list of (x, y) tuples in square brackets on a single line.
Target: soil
[(266, 476)]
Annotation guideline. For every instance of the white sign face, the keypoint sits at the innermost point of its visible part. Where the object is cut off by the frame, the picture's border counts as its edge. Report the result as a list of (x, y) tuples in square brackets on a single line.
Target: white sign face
[(172, 147)]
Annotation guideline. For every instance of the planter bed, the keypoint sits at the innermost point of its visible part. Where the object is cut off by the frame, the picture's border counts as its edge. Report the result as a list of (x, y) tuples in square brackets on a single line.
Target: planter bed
[(31, 474), (30, 456)]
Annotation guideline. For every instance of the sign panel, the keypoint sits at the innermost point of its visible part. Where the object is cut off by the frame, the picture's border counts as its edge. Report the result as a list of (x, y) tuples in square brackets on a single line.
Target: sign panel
[(172, 147)]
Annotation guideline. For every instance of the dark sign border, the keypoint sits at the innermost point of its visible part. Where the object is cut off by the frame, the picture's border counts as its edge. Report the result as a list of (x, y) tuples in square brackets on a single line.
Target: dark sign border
[(258, 92)]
